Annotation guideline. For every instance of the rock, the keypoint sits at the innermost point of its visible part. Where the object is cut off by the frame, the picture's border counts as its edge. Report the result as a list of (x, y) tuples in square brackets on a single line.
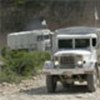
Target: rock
[(4, 84), (34, 78)]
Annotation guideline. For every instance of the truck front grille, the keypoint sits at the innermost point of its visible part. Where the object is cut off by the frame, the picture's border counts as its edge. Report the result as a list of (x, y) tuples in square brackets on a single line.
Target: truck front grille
[(67, 61)]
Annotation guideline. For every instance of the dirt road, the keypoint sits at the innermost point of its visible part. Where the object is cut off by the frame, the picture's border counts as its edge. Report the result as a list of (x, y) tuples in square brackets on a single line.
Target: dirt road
[(35, 90)]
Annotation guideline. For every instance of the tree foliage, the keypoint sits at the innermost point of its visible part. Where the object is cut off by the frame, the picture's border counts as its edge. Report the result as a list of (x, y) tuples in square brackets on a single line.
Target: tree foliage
[(17, 14), (19, 65)]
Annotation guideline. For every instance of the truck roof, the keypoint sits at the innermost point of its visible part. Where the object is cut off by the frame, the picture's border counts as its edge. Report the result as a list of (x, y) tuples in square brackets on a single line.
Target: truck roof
[(63, 36), (39, 32), (77, 30)]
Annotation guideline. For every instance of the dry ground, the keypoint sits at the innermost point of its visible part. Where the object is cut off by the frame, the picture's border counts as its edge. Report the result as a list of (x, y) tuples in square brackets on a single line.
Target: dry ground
[(35, 89)]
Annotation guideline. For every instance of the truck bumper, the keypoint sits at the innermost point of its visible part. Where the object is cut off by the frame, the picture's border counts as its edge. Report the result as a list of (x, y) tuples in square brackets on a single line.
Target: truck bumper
[(68, 72)]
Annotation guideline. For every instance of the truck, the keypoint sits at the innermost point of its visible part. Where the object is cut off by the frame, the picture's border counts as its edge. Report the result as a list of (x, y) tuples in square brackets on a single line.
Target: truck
[(29, 40), (75, 58)]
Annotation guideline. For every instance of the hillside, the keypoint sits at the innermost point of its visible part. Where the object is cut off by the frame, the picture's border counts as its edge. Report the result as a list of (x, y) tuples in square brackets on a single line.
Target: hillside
[(17, 15)]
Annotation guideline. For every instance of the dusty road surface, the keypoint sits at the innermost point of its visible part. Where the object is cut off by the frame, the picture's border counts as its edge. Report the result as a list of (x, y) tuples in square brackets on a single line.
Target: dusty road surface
[(35, 90)]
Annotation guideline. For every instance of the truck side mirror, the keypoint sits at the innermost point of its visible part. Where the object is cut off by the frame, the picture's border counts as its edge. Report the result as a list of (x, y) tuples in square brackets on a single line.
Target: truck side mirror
[(94, 42)]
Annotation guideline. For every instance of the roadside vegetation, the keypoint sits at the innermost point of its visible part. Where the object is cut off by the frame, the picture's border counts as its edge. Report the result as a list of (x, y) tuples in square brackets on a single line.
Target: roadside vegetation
[(19, 65)]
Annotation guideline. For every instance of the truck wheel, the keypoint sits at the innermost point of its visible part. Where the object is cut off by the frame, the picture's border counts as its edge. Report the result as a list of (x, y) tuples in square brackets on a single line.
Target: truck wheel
[(92, 82), (98, 75), (51, 83)]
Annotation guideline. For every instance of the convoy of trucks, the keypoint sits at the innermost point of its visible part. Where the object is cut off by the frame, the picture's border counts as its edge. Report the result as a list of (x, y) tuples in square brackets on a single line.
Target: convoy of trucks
[(75, 54)]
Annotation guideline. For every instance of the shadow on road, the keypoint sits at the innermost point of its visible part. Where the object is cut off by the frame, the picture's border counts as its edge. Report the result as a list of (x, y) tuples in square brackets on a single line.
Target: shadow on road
[(60, 90)]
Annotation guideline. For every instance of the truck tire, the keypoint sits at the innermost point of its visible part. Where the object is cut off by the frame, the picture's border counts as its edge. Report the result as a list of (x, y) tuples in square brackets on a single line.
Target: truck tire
[(98, 75), (92, 82), (51, 83)]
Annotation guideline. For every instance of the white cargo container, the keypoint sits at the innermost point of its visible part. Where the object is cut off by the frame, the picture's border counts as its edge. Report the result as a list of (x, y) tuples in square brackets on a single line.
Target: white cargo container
[(29, 40)]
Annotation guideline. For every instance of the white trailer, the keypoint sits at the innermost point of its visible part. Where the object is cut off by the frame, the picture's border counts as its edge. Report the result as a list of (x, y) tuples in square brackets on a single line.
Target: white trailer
[(29, 40)]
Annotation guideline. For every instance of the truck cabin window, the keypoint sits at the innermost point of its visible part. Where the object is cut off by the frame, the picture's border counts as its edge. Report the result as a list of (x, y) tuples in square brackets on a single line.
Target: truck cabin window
[(82, 43), (42, 37), (65, 43)]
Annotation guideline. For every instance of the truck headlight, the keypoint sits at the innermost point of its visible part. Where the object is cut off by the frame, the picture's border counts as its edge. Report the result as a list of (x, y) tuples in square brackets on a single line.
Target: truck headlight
[(80, 63), (56, 63)]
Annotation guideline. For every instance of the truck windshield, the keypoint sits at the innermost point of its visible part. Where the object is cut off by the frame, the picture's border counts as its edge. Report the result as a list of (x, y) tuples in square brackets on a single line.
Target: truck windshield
[(42, 37), (82, 43), (65, 44)]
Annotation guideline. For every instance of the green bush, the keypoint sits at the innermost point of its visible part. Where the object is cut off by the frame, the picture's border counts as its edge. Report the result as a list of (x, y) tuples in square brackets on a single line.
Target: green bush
[(19, 65)]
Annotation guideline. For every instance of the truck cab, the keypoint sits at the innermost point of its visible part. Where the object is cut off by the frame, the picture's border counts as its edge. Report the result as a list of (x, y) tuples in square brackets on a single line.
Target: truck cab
[(73, 58)]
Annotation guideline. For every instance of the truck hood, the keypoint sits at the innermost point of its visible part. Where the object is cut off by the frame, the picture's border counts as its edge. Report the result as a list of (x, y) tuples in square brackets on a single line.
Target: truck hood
[(74, 52)]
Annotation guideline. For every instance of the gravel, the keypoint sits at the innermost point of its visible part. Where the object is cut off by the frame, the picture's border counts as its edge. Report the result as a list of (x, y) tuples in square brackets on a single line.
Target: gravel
[(35, 89)]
